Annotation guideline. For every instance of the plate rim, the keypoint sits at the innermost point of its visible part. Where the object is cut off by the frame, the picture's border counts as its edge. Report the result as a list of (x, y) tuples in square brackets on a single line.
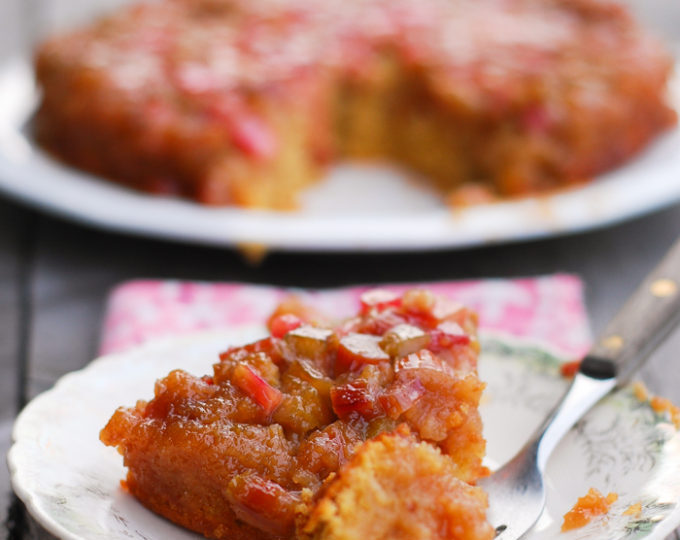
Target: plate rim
[(539, 216)]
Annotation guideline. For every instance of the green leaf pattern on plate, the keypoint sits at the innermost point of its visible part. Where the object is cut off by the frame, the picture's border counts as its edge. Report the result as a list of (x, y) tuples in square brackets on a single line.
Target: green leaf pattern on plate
[(622, 445)]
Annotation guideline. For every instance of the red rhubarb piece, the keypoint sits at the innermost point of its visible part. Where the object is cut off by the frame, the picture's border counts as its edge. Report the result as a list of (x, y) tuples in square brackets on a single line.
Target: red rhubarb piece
[(260, 391), (253, 137), (570, 369), (280, 325), (425, 308), (262, 503), (378, 299), (353, 398), (401, 397), (446, 335), (265, 345)]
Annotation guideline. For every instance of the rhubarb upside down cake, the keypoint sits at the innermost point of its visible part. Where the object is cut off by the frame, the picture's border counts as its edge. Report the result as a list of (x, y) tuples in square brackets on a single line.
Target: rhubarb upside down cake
[(246, 102), (369, 429)]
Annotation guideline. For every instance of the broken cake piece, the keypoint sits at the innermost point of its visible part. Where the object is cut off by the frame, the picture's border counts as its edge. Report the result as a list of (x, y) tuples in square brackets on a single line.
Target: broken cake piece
[(397, 488)]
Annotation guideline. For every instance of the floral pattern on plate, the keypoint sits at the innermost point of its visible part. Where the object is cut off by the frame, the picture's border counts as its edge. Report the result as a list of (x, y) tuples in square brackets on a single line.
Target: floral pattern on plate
[(623, 445)]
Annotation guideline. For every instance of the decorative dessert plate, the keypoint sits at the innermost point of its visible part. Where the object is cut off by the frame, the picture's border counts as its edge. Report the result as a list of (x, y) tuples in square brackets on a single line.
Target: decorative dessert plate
[(356, 207), (70, 481)]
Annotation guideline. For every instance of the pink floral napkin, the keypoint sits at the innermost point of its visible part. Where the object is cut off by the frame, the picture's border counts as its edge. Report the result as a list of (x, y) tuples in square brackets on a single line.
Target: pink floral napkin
[(546, 308)]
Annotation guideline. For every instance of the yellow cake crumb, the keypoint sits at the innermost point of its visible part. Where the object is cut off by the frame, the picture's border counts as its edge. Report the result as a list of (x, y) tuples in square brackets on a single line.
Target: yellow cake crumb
[(633, 510), (663, 405), (591, 505), (640, 391), (659, 405)]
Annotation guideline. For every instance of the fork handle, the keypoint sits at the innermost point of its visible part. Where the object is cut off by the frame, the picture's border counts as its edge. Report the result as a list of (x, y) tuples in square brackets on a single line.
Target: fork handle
[(645, 320)]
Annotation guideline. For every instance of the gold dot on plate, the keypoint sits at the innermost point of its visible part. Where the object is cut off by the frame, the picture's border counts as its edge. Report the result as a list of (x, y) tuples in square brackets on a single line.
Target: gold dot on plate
[(662, 288), (613, 343)]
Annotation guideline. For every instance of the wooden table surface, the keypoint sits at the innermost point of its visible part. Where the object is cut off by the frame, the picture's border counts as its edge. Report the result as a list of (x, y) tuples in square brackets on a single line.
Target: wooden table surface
[(55, 276)]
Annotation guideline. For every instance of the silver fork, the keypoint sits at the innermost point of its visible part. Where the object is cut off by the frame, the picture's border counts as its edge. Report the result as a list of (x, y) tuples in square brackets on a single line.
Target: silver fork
[(516, 490)]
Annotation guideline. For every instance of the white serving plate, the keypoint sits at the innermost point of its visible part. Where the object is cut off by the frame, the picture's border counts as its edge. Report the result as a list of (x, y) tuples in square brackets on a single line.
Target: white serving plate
[(70, 481), (355, 208)]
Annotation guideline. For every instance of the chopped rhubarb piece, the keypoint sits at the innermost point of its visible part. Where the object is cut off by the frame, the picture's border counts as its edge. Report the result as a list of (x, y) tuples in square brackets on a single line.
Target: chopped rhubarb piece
[(418, 301), (354, 398), (262, 503), (308, 372), (422, 360), (265, 345), (356, 350), (569, 369), (446, 335), (401, 397), (260, 391), (427, 309), (308, 341), (261, 362), (378, 299), (294, 305), (377, 324), (280, 325), (403, 340), (253, 136)]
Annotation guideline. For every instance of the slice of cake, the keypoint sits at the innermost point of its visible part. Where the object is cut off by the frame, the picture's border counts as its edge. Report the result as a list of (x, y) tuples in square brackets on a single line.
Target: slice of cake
[(243, 453), (242, 102)]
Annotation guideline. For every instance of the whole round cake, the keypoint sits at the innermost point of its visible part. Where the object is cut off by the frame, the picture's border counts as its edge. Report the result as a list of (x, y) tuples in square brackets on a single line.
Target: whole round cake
[(242, 102)]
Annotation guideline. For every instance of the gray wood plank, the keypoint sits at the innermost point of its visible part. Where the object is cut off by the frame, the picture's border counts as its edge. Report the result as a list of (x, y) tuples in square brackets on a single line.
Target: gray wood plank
[(13, 259), (74, 270), (76, 267), (11, 38)]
